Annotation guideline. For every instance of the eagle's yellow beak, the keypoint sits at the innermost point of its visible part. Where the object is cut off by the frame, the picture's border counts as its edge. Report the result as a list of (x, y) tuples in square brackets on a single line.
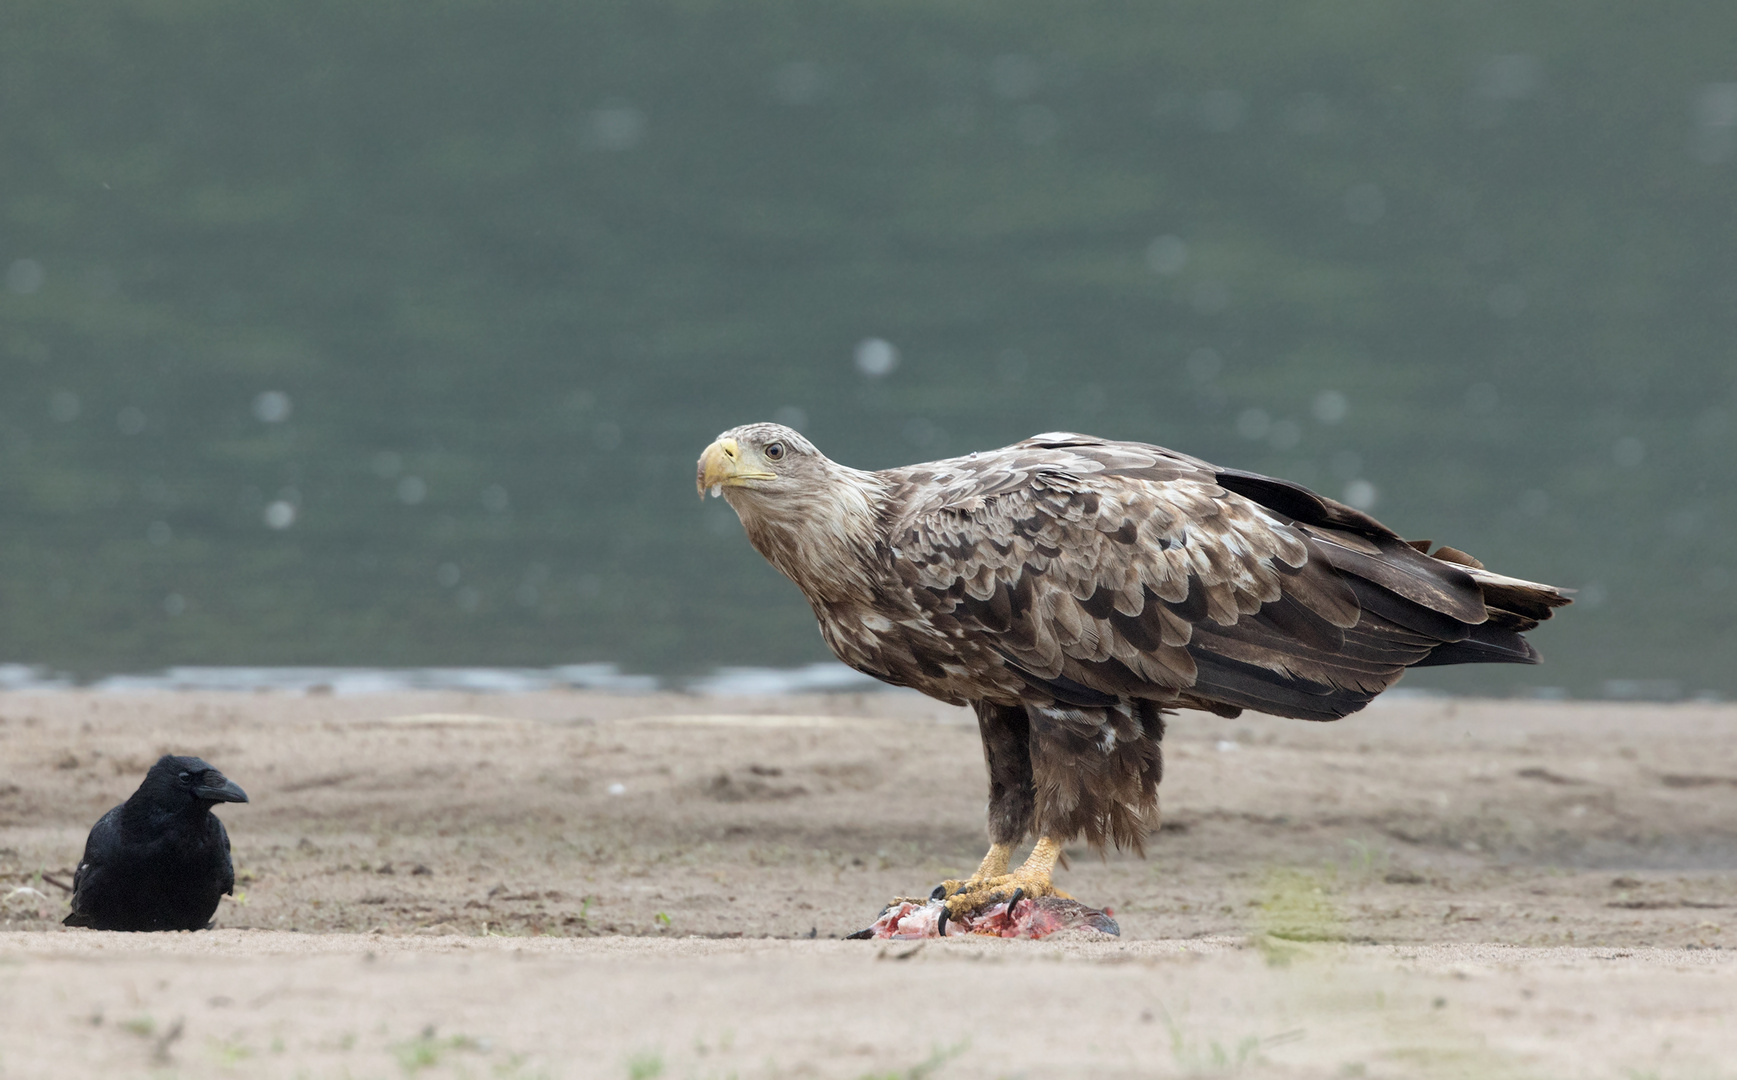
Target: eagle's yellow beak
[(723, 465)]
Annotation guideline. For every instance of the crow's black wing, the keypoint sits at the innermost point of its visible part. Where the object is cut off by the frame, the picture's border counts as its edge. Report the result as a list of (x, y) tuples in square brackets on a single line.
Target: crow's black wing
[(90, 879), (228, 870)]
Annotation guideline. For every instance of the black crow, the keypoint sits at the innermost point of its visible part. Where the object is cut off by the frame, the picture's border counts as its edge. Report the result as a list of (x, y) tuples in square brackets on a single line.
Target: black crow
[(160, 860)]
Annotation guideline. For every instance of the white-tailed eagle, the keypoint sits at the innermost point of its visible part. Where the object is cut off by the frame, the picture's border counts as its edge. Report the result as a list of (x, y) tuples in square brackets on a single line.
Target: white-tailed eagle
[(1072, 590)]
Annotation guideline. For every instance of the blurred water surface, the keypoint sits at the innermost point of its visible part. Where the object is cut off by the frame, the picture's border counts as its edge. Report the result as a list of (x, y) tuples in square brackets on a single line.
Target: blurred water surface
[(387, 335)]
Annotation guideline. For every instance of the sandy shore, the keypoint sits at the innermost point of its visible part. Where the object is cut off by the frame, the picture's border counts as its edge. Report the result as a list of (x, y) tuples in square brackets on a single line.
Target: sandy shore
[(277, 1004), (570, 884)]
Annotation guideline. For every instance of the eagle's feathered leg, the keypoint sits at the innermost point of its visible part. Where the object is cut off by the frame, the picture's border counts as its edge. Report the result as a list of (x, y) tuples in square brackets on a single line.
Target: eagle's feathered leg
[(1006, 732), (1062, 771)]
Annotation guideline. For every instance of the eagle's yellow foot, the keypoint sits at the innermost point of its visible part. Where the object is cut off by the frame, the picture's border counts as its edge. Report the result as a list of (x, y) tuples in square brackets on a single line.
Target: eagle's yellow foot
[(992, 883), (994, 865), (1011, 888)]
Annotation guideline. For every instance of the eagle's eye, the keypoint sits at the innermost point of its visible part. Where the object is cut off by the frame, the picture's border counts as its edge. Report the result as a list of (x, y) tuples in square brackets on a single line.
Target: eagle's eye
[(775, 451)]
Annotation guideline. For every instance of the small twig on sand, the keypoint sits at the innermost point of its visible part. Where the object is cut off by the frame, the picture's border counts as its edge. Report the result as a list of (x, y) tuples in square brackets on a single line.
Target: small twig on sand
[(57, 883)]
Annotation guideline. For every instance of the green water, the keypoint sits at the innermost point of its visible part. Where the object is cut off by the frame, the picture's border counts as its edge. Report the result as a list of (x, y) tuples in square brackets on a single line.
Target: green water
[(501, 270)]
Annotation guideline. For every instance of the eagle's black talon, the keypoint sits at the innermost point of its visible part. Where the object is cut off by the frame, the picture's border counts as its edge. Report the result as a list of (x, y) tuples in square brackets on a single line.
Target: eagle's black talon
[(1018, 895), (941, 924), (940, 892)]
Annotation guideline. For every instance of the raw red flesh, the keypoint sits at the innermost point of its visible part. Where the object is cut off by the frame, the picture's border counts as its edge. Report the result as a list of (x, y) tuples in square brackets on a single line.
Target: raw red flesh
[(906, 921)]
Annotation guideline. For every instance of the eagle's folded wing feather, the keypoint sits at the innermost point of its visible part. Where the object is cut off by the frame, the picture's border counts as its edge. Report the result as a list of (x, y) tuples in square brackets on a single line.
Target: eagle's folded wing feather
[(1099, 570)]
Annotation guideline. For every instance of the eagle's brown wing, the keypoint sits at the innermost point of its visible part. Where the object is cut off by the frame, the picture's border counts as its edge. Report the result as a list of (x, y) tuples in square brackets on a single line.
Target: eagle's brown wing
[(1100, 570)]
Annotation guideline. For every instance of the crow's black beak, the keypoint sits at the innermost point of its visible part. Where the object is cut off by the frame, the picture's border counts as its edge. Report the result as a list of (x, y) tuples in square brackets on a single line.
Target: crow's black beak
[(228, 791)]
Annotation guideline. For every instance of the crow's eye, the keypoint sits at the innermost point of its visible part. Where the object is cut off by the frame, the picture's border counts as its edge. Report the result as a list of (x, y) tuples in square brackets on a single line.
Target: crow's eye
[(775, 451), (186, 778)]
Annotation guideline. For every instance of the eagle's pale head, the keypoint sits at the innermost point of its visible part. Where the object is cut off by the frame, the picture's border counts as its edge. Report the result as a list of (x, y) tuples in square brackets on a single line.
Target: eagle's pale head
[(773, 462), (811, 517)]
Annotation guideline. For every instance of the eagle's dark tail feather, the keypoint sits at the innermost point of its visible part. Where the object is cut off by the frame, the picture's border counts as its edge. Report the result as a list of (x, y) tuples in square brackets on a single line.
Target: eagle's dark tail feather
[(1514, 606), (1486, 644), (1410, 591), (1395, 631)]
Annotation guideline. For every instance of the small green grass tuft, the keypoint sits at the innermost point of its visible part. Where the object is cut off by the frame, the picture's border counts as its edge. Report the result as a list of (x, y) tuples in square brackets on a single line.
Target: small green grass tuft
[(414, 1055), (425, 1051), (1297, 907), (1216, 1058), (928, 1067), (229, 1054)]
